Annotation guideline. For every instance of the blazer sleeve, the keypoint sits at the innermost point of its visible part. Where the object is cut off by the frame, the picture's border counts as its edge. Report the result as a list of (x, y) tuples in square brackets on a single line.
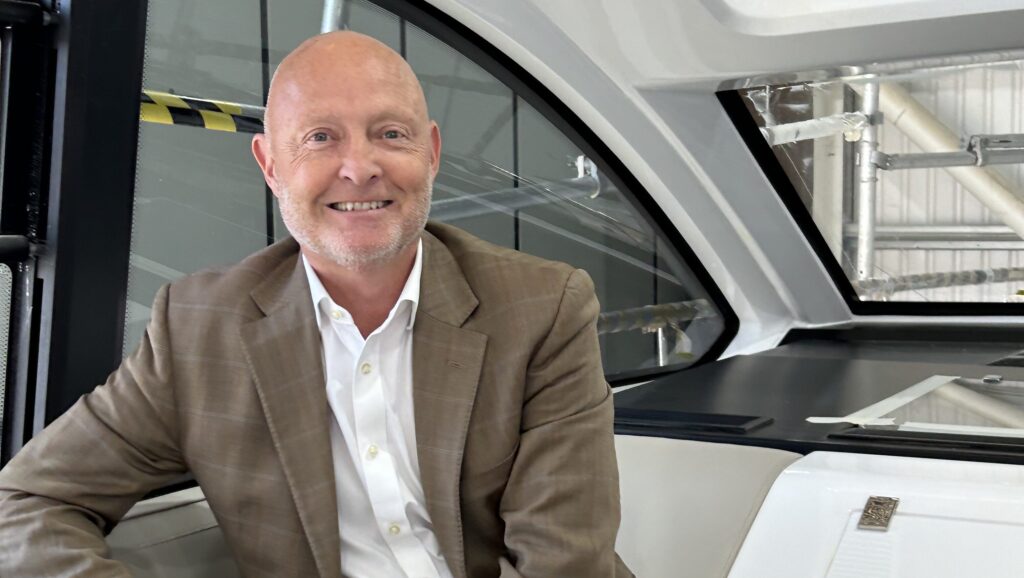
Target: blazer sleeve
[(70, 485), (561, 504)]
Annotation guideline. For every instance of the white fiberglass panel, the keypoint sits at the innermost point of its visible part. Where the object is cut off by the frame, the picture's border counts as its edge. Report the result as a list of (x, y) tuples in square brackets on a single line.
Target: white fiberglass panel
[(953, 519)]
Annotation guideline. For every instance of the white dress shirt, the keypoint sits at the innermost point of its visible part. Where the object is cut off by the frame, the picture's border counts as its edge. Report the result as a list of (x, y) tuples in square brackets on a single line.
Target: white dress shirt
[(382, 516)]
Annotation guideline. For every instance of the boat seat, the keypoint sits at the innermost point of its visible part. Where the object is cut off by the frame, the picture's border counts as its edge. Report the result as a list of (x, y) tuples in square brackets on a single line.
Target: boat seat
[(687, 506)]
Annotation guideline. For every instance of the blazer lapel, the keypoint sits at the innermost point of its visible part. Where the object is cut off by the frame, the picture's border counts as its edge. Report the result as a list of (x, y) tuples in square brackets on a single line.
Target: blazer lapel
[(283, 350), (447, 360)]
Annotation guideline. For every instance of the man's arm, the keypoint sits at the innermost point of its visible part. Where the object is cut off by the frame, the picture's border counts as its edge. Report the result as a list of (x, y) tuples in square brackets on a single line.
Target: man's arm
[(561, 504), (68, 487)]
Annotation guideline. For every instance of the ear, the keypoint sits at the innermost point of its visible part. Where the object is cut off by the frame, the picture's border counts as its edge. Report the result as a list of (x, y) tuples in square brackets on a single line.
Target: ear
[(435, 147), (265, 158)]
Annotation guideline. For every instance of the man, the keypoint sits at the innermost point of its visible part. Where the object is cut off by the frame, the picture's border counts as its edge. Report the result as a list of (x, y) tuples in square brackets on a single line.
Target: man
[(370, 399)]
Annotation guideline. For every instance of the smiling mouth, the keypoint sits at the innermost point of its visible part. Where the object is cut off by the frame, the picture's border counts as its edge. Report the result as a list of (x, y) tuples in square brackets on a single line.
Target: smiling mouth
[(363, 206)]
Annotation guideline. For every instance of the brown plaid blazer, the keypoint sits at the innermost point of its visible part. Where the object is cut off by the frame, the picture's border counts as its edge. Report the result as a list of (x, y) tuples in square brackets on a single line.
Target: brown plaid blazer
[(512, 413)]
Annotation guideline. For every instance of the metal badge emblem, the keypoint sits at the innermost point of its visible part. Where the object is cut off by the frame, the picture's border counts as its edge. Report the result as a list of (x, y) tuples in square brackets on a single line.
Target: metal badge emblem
[(878, 513)]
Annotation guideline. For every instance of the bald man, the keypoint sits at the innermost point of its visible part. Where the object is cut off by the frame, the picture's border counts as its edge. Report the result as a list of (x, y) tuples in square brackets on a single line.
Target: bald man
[(375, 397)]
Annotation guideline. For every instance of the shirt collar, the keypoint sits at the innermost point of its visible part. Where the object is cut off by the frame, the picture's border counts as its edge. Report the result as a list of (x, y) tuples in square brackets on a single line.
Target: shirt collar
[(410, 292)]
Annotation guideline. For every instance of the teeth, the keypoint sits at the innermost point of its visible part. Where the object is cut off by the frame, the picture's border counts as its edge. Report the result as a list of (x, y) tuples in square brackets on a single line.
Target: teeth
[(366, 206)]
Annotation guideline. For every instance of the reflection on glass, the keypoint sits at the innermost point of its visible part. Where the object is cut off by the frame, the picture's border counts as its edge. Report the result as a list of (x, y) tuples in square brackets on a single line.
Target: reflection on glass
[(915, 180), (989, 406)]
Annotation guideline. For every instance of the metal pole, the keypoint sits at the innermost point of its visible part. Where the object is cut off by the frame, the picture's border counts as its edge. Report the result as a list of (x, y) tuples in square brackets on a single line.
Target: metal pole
[(940, 232), (867, 180), (886, 287), (332, 15)]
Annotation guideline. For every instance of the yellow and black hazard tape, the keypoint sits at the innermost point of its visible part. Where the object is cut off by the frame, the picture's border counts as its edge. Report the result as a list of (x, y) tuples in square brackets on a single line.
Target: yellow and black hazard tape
[(166, 108)]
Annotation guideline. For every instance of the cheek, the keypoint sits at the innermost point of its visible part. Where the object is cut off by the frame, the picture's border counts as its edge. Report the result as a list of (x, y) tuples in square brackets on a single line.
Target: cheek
[(313, 174), (410, 172)]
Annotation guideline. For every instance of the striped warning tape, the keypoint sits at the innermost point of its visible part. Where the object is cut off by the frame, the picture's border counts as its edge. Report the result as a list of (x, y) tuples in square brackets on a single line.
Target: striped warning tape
[(166, 108)]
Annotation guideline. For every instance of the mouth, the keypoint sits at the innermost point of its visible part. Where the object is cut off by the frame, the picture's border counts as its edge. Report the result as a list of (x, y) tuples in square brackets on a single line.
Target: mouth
[(347, 207)]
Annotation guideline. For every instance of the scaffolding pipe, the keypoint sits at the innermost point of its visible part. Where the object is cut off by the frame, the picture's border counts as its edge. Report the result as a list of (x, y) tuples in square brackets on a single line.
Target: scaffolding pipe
[(919, 124), (867, 181), (938, 232), (917, 282), (815, 128), (332, 15)]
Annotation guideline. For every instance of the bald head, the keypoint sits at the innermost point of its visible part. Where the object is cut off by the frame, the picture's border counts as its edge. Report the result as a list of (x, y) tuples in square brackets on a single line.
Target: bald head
[(350, 54)]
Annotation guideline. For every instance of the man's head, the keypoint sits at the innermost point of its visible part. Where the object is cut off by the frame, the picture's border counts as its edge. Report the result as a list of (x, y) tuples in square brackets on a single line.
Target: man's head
[(349, 150)]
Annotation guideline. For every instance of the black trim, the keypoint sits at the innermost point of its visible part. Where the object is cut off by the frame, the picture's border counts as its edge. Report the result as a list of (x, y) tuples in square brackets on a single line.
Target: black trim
[(746, 126), (84, 266), (899, 334), (675, 420), (1008, 445), (522, 83)]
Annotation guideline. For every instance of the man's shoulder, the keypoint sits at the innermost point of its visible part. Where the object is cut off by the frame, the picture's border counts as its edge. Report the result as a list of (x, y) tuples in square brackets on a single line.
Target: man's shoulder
[(229, 283)]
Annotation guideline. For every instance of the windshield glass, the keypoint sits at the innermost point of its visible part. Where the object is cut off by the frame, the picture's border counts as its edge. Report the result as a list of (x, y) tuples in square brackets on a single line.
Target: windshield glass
[(912, 176)]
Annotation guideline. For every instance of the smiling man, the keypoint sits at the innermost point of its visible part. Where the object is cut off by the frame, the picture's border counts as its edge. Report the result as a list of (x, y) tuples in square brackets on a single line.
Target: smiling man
[(378, 397)]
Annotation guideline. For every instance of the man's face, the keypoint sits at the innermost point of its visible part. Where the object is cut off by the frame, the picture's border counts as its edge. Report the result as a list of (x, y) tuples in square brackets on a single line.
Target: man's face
[(351, 155)]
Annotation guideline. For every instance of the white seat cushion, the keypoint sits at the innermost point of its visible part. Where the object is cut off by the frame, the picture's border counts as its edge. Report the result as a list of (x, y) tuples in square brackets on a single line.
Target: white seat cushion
[(687, 505)]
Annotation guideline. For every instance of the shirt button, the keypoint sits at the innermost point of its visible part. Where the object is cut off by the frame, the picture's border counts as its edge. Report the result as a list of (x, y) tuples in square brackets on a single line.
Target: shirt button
[(394, 529), (336, 313), (365, 368), (371, 452)]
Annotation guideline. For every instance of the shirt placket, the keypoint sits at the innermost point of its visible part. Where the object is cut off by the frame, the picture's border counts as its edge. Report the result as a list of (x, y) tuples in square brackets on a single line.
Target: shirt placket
[(378, 463)]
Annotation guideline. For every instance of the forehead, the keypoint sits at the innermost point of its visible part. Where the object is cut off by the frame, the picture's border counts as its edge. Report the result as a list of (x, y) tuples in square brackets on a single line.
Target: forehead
[(347, 87)]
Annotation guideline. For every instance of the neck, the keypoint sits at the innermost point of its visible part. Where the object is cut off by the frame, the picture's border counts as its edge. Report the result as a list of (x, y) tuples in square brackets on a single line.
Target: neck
[(367, 293)]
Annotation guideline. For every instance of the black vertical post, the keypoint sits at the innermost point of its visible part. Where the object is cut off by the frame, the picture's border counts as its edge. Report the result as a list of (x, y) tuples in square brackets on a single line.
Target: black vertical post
[(268, 195), (83, 264)]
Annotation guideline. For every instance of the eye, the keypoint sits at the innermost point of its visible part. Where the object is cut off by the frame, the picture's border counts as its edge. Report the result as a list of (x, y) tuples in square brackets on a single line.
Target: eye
[(392, 134), (319, 137)]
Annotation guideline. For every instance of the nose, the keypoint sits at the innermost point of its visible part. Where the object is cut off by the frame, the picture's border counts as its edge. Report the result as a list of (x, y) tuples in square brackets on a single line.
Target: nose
[(358, 162)]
